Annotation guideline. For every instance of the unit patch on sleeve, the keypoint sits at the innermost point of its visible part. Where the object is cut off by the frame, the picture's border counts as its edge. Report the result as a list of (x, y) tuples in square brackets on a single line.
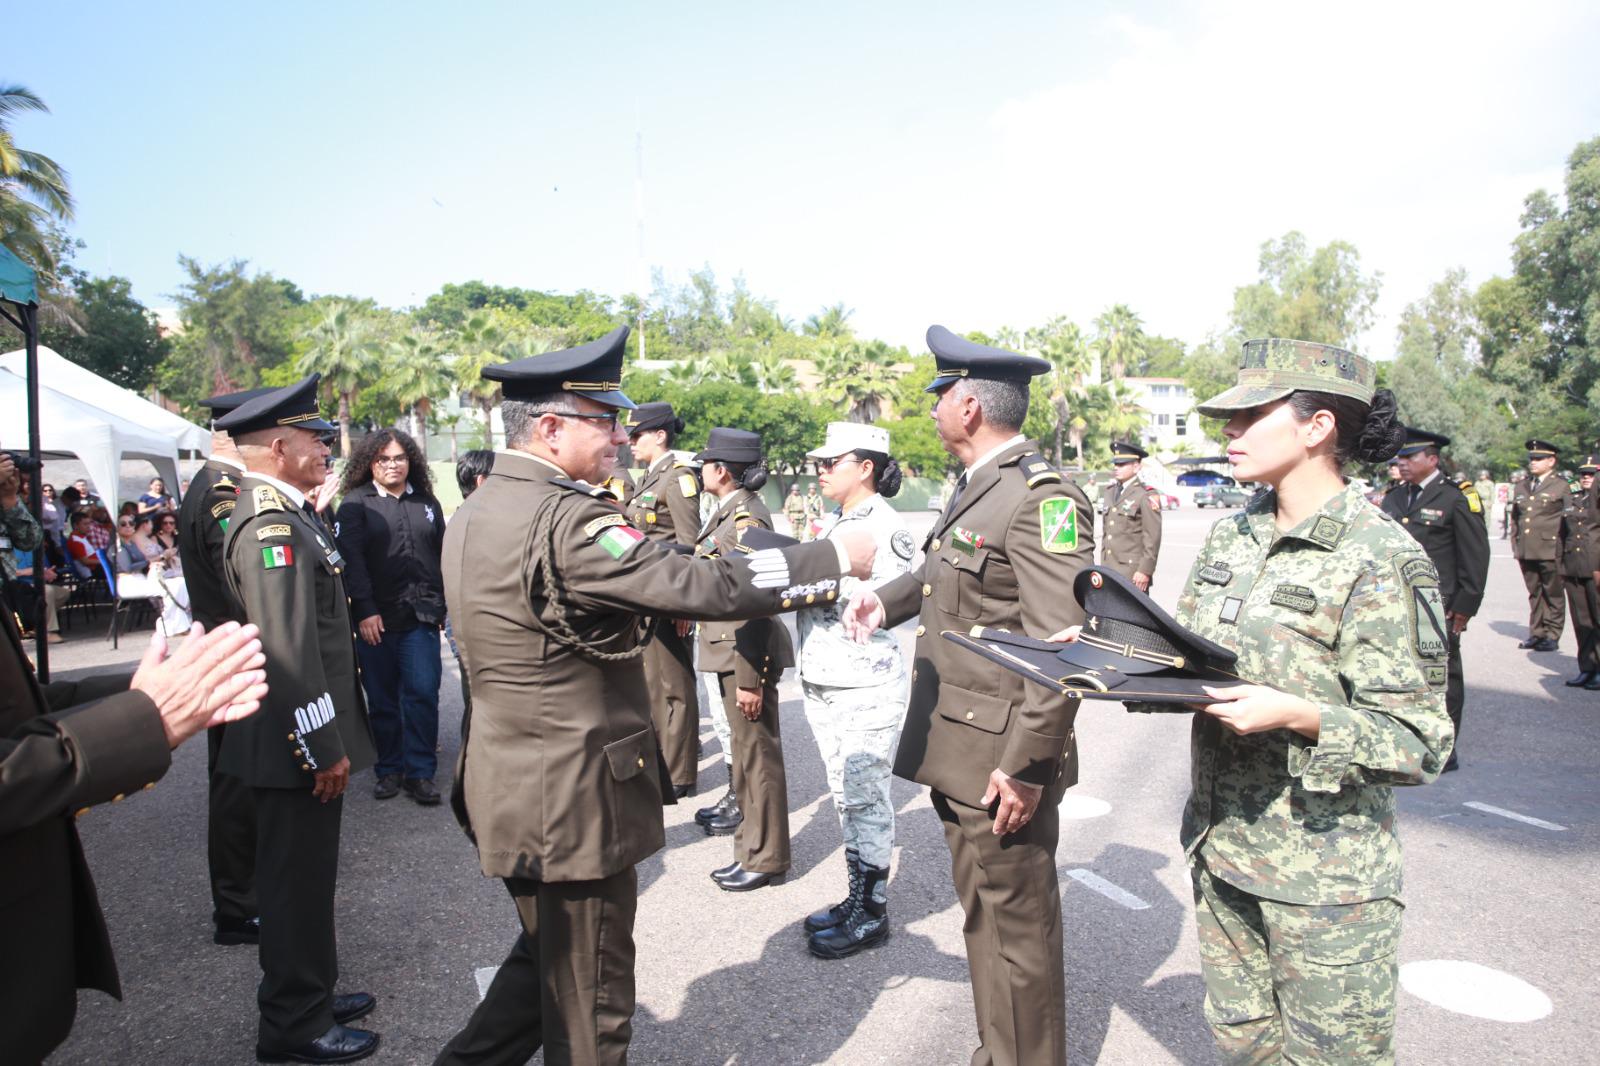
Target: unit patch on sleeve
[(1058, 525), (603, 522), (619, 540), (903, 544), (278, 530), (687, 485)]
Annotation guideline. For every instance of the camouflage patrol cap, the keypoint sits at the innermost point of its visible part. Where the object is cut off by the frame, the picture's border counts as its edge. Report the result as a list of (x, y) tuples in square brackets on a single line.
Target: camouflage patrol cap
[(1272, 368)]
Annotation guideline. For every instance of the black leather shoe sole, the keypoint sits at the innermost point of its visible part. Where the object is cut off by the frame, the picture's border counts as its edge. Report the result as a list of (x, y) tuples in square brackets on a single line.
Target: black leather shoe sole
[(313, 1056), (237, 933), (430, 798), (1546, 645), (749, 881), (826, 949), (1528, 645)]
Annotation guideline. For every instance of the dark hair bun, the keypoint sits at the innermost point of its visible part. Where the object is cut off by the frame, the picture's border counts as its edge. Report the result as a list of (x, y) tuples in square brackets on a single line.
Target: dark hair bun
[(755, 475), (889, 479), (677, 426), (1383, 433)]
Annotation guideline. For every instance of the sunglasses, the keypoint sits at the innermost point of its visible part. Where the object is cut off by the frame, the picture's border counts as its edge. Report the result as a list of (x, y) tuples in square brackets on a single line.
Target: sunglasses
[(827, 465)]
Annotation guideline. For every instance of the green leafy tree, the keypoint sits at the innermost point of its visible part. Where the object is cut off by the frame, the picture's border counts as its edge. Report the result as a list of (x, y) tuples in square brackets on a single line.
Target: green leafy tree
[(33, 188), (118, 338), (418, 374), (235, 328), (831, 323), (479, 341), (1120, 339), (914, 442), (1320, 295), (343, 348)]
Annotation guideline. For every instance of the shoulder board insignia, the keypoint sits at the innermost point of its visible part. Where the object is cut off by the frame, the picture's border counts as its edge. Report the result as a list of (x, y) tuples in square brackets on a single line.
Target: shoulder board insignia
[(225, 482), (688, 485), (278, 530), (267, 499), (1474, 501), (1038, 471), (597, 491), (223, 508), (601, 523)]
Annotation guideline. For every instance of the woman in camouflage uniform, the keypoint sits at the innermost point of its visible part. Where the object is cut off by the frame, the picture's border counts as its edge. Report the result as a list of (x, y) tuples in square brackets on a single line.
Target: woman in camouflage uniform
[(855, 693), (1290, 829)]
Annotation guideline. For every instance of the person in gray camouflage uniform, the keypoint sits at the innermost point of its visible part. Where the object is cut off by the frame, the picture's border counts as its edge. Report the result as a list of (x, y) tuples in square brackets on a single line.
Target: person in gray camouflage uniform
[(855, 693), (1290, 829)]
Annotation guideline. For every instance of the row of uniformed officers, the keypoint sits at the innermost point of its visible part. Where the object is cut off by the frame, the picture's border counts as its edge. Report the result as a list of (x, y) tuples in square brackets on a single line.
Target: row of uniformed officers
[(567, 616)]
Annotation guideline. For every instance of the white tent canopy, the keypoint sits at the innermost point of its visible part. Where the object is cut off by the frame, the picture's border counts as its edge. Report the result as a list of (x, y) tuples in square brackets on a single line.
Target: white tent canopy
[(66, 377), (98, 439)]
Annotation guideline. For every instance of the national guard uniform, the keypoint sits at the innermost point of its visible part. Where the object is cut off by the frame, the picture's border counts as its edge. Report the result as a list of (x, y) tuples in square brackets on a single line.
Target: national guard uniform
[(665, 507), (794, 509), (814, 509), (748, 655), (855, 698), (231, 820), (1131, 527), (1536, 510), (1291, 842), (283, 573), (1580, 558), (1012, 525), (558, 780), (1446, 518)]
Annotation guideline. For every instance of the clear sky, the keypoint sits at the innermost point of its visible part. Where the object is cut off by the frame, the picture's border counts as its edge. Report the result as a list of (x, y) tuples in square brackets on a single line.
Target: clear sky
[(978, 165)]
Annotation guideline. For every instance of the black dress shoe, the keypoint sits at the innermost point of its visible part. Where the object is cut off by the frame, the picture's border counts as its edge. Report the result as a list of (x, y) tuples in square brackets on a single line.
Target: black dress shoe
[(237, 931), (421, 789), (748, 881), (388, 787), (1546, 644), (1529, 644), (336, 1045), (352, 1005), (726, 871), (724, 824), (1583, 678), (682, 791), (1594, 684)]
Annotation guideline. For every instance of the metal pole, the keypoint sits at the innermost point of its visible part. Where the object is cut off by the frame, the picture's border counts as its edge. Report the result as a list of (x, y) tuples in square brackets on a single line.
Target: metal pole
[(41, 639)]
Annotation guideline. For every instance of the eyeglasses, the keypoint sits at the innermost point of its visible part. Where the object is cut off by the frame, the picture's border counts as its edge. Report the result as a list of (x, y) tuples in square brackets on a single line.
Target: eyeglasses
[(827, 465), (610, 420), (390, 460)]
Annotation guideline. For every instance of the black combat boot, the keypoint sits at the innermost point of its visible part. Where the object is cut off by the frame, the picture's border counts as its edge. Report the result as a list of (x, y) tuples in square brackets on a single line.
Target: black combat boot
[(867, 924), (827, 919), (705, 814), (720, 825)]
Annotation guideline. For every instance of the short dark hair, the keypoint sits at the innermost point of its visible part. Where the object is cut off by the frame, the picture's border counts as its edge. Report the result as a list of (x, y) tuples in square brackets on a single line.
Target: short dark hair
[(470, 467), (358, 468)]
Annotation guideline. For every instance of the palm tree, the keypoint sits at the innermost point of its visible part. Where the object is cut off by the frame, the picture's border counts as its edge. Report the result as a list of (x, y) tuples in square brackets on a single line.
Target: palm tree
[(1121, 338), (344, 351), (773, 374), (727, 366), (418, 373), (1111, 411), (831, 323), (33, 196), (477, 343), (1062, 344), (687, 373)]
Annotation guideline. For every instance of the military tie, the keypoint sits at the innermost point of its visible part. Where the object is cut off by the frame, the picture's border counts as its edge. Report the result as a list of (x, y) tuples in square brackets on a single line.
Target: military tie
[(1414, 491)]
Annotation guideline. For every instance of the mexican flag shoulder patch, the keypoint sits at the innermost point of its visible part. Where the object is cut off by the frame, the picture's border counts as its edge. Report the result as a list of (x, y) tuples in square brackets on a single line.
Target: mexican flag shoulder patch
[(1058, 525), (278, 555)]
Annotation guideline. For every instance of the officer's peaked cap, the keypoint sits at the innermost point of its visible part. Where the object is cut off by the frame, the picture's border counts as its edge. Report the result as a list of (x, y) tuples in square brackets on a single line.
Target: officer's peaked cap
[(957, 358), (593, 370), (293, 405)]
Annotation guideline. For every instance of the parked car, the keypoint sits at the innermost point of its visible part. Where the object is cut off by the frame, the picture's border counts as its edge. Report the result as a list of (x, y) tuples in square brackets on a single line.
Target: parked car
[(1192, 478), (1220, 496)]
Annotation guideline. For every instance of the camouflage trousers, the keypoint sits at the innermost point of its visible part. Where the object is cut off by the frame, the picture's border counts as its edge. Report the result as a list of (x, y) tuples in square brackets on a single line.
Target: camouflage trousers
[(1297, 983), (711, 698), (857, 730)]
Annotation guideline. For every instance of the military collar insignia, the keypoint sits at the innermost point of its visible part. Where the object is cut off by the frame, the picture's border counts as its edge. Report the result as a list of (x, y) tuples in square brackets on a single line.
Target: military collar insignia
[(1325, 531)]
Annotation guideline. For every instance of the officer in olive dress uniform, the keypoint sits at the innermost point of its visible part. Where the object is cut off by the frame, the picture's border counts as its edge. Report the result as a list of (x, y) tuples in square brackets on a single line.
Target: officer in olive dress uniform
[(997, 751), (665, 507), (1131, 527), (282, 572), (1580, 559), (231, 820), (1540, 500), (1446, 518), (559, 781), (748, 658)]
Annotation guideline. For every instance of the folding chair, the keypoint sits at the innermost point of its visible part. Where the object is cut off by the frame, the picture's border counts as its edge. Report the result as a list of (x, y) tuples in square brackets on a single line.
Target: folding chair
[(120, 606)]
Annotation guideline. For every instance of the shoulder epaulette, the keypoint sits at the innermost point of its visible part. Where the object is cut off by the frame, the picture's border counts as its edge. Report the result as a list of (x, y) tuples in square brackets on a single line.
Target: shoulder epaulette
[(267, 498), (1037, 470), (597, 491)]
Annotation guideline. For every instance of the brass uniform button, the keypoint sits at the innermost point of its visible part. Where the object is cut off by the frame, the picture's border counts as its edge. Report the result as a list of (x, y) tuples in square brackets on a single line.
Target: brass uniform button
[(935, 544), (969, 716), (641, 762), (119, 797), (921, 630), (305, 766), (80, 812), (927, 590)]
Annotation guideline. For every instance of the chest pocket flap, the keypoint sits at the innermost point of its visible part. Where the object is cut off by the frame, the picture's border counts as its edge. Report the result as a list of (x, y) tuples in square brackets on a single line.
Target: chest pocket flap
[(960, 591)]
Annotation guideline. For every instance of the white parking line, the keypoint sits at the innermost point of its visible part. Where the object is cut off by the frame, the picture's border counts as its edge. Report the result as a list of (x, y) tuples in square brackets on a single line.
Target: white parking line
[(1115, 893), (1488, 808), (484, 975)]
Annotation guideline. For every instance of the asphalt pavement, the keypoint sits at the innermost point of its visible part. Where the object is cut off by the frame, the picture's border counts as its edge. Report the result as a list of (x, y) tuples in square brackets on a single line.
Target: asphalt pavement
[(1502, 898)]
